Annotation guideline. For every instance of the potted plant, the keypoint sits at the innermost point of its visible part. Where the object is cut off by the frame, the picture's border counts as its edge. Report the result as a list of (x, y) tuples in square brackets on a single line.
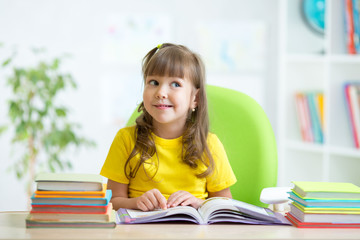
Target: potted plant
[(40, 125)]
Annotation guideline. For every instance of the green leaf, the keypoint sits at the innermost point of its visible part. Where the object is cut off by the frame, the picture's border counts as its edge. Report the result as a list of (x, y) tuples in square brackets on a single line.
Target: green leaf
[(6, 62), (21, 131), (15, 111), (69, 165), (55, 64), (3, 129), (61, 112)]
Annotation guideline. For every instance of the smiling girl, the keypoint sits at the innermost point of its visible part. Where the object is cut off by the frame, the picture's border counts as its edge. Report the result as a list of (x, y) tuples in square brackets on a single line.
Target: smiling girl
[(168, 158)]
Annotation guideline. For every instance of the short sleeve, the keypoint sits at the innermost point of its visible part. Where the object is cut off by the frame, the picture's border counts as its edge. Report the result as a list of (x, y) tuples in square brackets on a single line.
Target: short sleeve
[(119, 152), (223, 176)]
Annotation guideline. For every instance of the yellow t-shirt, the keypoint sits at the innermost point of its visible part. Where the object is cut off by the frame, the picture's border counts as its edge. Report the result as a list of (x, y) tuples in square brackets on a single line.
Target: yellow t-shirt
[(172, 174)]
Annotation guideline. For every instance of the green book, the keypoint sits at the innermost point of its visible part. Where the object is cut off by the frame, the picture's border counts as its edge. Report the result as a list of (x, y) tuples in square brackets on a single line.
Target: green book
[(326, 190), (69, 182)]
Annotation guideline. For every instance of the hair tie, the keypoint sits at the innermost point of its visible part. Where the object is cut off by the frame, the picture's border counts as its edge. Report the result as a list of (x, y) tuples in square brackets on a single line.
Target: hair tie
[(159, 46)]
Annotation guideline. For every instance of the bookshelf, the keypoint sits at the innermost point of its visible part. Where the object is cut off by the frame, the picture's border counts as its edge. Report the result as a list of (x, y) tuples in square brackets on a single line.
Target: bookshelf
[(309, 61)]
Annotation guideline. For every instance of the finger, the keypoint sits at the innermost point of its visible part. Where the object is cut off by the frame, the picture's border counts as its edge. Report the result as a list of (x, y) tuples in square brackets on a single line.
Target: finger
[(142, 206), (181, 198), (187, 202), (194, 202), (173, 198), (151, 197), (161, 200), (148, 203)]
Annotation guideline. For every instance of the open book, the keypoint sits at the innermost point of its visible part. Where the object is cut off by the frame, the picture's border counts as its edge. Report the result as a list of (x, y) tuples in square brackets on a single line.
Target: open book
[(213, 210)]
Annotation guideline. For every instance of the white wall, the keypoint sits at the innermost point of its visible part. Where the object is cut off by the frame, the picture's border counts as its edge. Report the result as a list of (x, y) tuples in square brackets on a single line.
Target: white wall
[(79, 27)]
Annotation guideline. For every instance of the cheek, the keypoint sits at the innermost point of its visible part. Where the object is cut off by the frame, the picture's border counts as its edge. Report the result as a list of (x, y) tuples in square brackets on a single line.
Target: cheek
[(146, 100), (146, 96)]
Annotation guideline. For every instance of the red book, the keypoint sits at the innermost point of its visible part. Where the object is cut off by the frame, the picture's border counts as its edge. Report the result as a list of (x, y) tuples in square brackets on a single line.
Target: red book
[(72, 216), (351, 114), (349, 20), (68, 209)]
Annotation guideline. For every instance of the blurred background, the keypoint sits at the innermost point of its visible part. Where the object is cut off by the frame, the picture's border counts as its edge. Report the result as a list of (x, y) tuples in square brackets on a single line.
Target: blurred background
[(243, 45)]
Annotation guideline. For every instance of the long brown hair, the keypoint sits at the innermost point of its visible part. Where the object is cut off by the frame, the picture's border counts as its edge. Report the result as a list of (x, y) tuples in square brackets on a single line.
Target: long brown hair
[(175, 61)]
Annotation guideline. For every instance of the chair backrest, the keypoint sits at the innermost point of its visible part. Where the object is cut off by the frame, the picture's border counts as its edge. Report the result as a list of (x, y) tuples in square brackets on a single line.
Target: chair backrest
[(248, 138)]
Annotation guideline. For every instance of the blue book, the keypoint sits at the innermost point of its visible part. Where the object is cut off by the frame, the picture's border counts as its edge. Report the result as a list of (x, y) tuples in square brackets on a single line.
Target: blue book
[(356, 6), (325, 203), (315, 118)]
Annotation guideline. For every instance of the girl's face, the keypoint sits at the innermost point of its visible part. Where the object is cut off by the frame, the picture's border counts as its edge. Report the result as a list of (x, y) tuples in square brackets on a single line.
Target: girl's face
[(168, 100)]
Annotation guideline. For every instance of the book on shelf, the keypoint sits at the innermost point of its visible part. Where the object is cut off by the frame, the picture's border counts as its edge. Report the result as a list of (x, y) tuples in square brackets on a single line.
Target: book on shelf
[(356, 17), (78, 200), (310, 113), (352, 100), (69, 182), (213, 210), (304, 118), (315, 117), (352, 25), (349, 26), (324, 205)]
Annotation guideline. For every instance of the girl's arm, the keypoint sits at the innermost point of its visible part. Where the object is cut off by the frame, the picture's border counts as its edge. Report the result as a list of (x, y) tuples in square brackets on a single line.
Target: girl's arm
[(148, 201), (119, 197), (223, 193)]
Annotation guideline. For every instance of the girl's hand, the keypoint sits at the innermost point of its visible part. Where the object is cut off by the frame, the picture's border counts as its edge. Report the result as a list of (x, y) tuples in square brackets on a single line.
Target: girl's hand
[(184, 198), (151, 200)]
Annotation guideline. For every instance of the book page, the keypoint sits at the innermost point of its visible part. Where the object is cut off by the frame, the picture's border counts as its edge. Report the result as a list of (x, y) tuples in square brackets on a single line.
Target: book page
[(213, 204), (159, 213), (217, 204)]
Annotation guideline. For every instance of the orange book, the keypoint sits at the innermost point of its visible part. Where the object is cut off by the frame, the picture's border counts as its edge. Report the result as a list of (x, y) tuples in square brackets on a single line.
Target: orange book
[(320, 104)]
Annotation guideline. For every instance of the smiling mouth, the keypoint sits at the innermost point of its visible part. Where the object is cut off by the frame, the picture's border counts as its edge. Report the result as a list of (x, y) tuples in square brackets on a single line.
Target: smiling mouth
[(163, 106)]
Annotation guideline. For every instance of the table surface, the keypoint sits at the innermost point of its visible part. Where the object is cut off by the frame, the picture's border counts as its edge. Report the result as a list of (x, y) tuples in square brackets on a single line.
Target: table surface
[(12, 226)]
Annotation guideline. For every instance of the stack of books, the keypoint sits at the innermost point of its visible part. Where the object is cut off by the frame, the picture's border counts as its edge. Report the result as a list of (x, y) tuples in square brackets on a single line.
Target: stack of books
[(70, 200), (310, 113), (325, 205)]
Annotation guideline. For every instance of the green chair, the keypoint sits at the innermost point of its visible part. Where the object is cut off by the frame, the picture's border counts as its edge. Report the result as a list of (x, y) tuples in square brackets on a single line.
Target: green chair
[(245, 131)]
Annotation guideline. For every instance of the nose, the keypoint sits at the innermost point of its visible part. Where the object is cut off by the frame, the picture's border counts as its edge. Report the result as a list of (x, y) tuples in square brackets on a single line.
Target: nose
[(161, 93)]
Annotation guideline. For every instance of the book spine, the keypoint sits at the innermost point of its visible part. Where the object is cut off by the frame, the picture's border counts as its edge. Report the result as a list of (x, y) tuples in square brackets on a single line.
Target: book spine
[(308, 119), (301, 116), (356, 111), (320, 107), (349, 25), (315, 121), (356, 19), (351, 113)]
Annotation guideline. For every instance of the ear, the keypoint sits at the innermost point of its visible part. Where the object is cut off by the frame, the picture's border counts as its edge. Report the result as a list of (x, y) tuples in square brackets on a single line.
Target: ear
[(194, 99)]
